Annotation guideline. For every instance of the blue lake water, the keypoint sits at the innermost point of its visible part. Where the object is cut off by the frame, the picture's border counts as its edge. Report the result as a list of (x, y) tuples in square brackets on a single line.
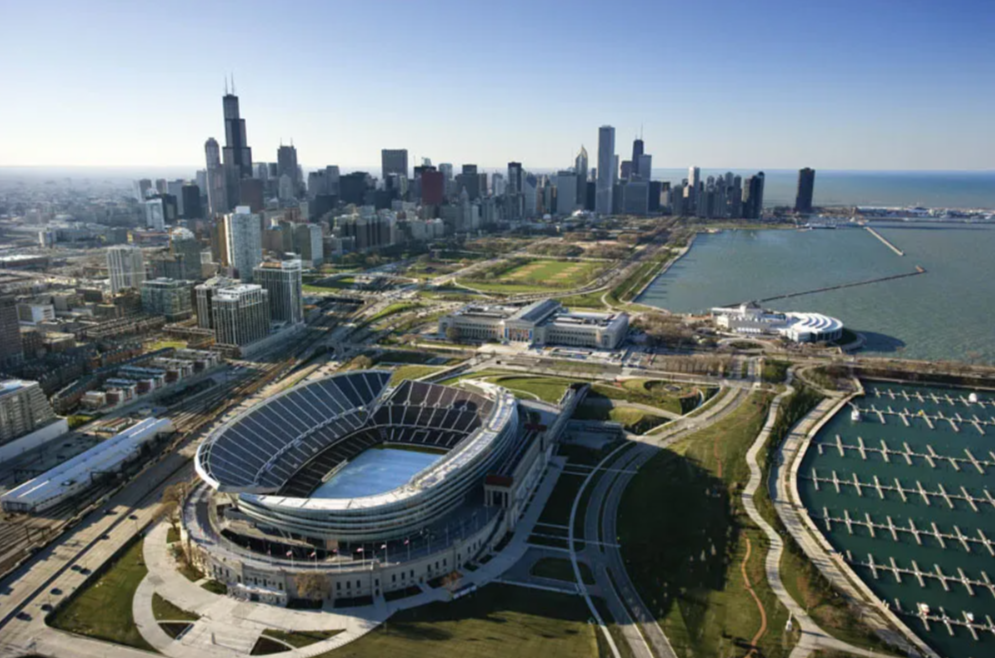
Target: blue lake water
[(375, 472), (945, 314)]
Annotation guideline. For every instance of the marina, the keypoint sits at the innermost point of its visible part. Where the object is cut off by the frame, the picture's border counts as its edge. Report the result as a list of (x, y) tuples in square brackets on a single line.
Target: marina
[(899, 482)]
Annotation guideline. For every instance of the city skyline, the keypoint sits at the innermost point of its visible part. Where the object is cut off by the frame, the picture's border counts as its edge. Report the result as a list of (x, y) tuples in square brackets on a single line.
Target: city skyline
[(817, 88)]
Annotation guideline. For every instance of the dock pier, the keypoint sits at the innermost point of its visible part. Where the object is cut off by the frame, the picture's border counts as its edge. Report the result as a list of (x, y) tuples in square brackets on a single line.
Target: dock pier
[(884, 241)]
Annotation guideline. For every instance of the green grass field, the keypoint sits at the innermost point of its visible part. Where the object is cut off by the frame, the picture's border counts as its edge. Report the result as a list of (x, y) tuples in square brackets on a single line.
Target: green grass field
[(166, 611), (669, 396), (103, 609), (590, 300), (635, 420), (690, 574), (498, 621), (412, 372), (537, 275), (299, 638)]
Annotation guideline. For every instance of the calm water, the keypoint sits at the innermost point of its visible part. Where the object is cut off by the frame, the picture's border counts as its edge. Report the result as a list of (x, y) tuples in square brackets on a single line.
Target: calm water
[(949, 555), (375, 472), (940, 189), (943, 314)]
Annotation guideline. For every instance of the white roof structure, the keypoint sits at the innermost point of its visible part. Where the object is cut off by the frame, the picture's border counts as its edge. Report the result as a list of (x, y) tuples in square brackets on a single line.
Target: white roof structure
[(74, 475)]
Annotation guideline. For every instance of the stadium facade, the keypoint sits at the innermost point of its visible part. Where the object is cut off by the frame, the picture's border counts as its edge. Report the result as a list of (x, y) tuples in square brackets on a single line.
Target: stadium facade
[(375, 487)]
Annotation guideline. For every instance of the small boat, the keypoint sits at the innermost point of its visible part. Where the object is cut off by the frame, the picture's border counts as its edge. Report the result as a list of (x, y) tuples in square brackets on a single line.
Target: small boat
[(855, 415), (972, 397)]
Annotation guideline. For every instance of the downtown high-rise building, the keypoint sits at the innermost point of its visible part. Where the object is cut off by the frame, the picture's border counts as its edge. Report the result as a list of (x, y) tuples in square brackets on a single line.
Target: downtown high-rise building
[(237, 154), (155, 214), (239, 314), (581, 167), (126, 266), (644, 167), (753, 196), (283, 283), (286, 165), (806, 188), (637, 153), (607, 166), (243, 230), (11, 351), (217, 186), (393, 161), (691, 197), (24, 408)]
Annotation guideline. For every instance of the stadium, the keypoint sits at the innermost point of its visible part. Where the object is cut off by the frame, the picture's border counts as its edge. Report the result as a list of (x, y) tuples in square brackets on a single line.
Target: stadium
[(348, 475)]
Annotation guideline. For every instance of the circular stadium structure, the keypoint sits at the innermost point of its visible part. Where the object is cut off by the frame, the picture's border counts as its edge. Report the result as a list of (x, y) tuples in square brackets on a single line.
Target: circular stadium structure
[(349, 471), (279, 456)]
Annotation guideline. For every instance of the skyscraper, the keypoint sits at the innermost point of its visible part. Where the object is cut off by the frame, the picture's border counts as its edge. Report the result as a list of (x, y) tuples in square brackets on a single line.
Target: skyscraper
[(514, 177), (753, 196), (190, 201), (237, 154), (393, 161), (644, 166), (245, 241), (240, 314), (637, 152), (606, 166), (566, 192), (155, 215), (126, 266), (10, 332), (286, 165), (806, 187), (694, 181), (217, 191), (282, 281), (580, 166)]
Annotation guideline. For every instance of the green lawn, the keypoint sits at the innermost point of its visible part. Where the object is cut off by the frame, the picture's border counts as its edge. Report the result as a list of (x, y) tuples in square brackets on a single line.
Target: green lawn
[(561, 569), (531, 275), (300, 638), (215, 587), (635, 420), (669, 396), (393, 309), (498, 621), (590, 300), (103, 608), (166, 611), (690, 573), (163, 344), (412, 372)]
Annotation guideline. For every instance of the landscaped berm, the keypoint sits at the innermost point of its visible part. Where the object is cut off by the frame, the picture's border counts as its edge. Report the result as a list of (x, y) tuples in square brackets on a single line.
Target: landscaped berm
[(498, 621), (521, 275)]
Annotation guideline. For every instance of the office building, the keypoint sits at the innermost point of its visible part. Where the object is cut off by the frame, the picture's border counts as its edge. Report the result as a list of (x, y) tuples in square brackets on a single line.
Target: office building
[(753, 196), (691, 191), (309, 244), (644, 167), (185, 248), (635, 197), (237, 154), (204, 296), (10, 332), (433, 188), (393, 161), (142, 188), (251, 193), (581, 166), (606, 167), (24, 408), (514, 177), (637, 153), (217, 191), (806, 187), (174, 188), (126, 266), (530, 196), (286, 165), (353, 188), (167, 297), (240, 314), (545, 322), (283, 284), (190, 202), (566, 192), (371, 231), (245, 241), (155, 214)]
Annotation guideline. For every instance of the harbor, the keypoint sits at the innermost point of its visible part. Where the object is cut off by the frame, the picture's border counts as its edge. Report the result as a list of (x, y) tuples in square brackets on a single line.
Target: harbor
[(899, 482)]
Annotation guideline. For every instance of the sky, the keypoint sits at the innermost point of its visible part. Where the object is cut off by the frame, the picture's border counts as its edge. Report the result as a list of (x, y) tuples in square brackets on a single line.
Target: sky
[(868, 84)]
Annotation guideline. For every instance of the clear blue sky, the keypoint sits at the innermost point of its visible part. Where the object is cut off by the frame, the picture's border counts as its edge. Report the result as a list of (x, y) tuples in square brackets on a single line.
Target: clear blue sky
[(868, 84)]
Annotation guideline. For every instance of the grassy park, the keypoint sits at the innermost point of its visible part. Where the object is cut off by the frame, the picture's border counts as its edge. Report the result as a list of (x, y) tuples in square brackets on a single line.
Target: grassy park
[(497, 621), (103, 608), (413, 371), (692, 574), (534, 275)]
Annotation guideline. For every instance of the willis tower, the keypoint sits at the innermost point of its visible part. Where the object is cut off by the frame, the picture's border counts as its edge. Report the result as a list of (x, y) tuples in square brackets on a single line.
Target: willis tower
[(237, 154)]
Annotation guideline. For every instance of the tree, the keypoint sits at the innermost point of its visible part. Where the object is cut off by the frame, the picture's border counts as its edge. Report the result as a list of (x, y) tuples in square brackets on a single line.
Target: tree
[(312, 585), (171, 502)]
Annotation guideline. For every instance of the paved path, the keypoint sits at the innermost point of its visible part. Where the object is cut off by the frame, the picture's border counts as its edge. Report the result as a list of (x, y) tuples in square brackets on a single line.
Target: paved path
[(812, 636)]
